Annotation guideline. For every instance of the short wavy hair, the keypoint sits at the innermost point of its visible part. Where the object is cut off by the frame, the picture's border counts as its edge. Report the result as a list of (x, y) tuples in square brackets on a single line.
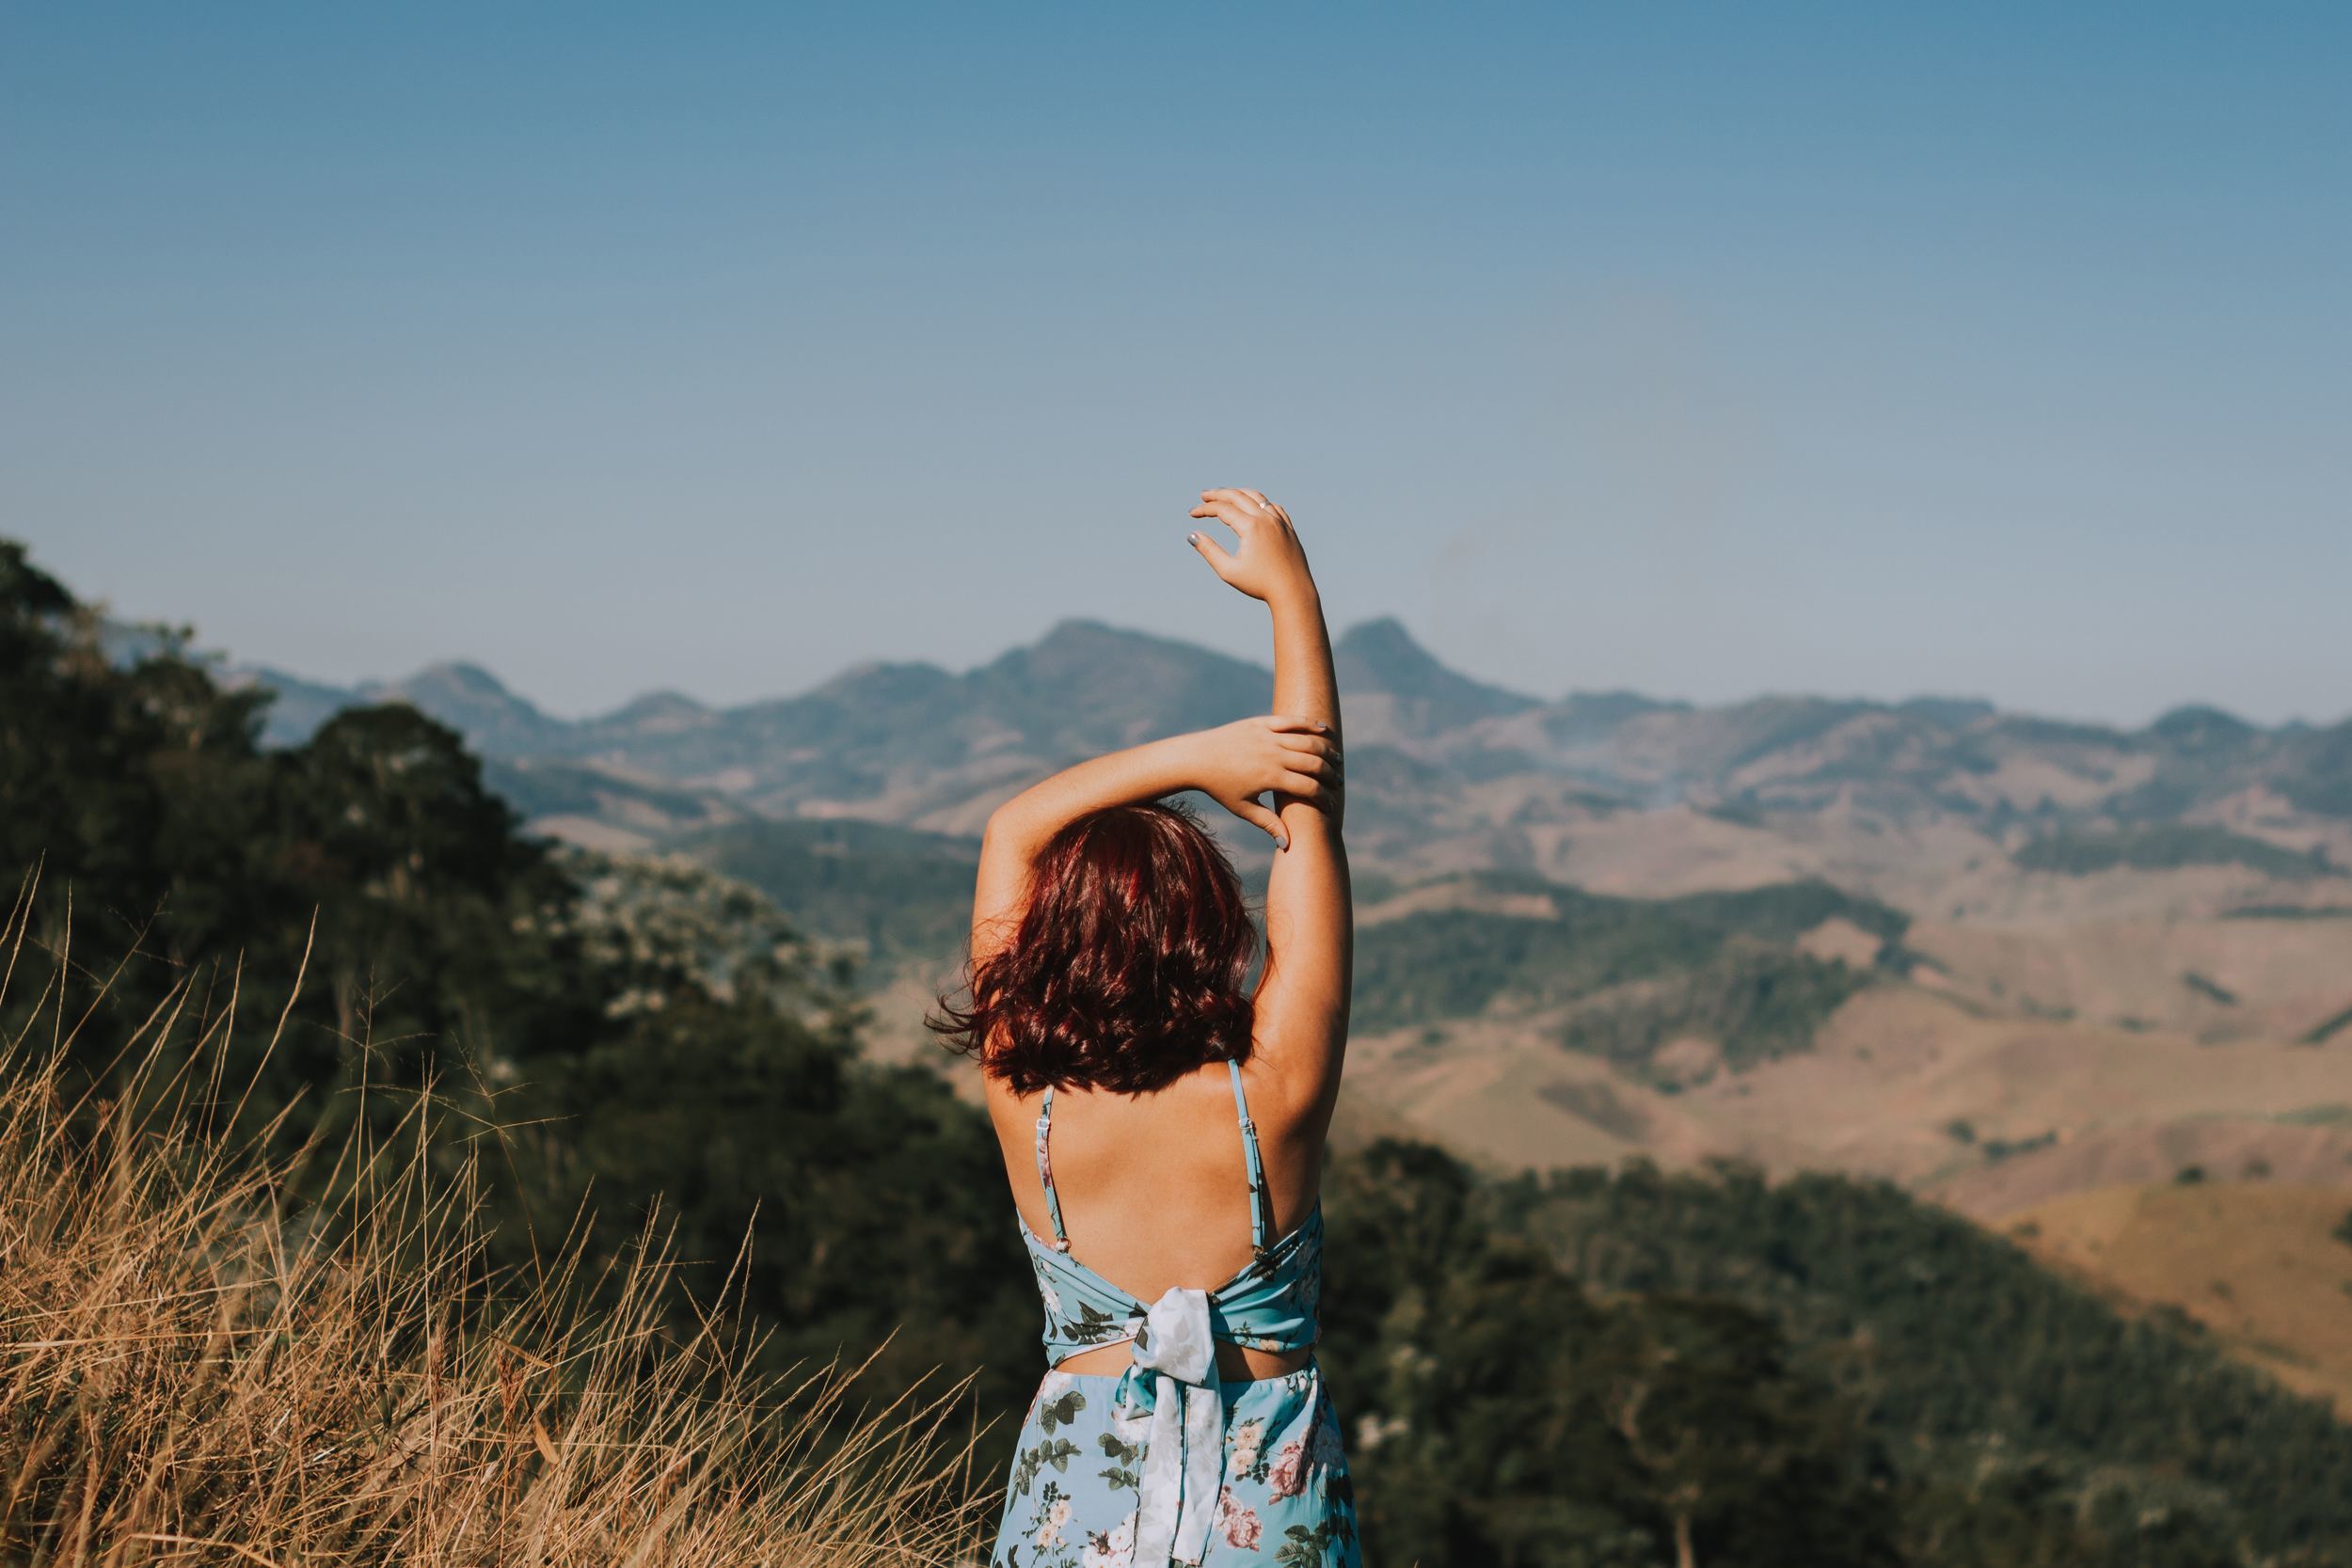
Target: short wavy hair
[(1129, 967)]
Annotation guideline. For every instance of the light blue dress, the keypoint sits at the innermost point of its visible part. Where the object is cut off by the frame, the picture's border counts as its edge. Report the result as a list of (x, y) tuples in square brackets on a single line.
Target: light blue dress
[(1165, 1461)]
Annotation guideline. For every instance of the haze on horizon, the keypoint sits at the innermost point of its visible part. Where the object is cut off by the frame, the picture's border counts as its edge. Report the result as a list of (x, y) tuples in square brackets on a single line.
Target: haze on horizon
[(1701, 352)]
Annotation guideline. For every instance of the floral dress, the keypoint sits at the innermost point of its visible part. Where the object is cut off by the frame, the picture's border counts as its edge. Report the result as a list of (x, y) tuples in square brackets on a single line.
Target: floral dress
[(1165, 1461), (1284, 1495)]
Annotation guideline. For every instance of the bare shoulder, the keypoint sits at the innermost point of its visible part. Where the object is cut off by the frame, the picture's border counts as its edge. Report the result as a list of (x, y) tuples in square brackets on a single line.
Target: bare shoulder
[(1288, 1095), (1005, 1108), (1008, 1110)]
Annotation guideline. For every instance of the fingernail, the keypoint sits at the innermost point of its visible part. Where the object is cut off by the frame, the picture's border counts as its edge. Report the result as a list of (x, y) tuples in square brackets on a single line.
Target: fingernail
[(1192, 539)]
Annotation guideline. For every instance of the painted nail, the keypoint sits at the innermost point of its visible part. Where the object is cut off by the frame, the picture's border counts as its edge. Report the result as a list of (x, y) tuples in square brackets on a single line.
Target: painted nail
[(1282, 843)]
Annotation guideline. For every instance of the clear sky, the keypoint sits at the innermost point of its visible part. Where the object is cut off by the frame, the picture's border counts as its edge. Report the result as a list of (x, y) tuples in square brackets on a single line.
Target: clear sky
[(1705, 350)]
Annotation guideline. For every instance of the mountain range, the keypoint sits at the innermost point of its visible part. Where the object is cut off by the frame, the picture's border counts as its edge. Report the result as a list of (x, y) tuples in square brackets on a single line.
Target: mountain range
[(1445, 771), (2004, 960)]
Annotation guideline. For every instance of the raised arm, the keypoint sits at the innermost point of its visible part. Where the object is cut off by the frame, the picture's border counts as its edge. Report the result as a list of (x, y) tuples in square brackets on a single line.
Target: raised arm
[(1301, 1023)]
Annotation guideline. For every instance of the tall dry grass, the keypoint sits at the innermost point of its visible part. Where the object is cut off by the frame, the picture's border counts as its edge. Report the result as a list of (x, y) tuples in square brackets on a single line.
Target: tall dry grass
[(194, 1367)]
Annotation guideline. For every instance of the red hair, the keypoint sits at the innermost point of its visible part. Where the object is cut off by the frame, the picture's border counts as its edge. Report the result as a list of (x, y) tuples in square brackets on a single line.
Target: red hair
[(1127, 970)]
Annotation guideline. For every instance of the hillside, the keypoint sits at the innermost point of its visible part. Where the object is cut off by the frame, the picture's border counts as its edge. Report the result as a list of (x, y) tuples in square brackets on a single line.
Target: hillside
[(1972, 1364), (1990, 1113), (1629, 977), (2266, 1268)]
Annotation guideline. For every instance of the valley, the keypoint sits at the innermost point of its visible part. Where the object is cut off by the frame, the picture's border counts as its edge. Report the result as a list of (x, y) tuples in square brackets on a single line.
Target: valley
[(2015, 966)]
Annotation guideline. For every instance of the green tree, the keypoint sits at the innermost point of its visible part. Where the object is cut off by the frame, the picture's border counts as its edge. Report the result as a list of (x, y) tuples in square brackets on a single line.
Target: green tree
[(1503, 1414)]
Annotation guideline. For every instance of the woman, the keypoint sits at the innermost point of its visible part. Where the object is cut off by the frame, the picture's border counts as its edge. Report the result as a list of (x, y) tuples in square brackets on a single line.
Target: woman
[(1163, 1124)]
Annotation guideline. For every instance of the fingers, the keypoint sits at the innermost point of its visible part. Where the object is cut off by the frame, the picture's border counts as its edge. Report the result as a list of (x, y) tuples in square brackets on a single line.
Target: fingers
[(1238, 507), (1211, 551), (1264, 817), (1290, 725), (1323, 764), (1306, 786), (1233, 515), (1272, 509), (1255, 499), (1311, 745)]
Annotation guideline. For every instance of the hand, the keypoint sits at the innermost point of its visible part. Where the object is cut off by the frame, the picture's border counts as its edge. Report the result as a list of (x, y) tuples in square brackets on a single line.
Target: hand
[(1270, 563), (1238, 762)]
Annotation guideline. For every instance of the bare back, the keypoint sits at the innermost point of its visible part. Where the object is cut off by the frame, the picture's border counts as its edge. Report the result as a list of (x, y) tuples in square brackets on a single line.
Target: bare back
[(1153, 1189)]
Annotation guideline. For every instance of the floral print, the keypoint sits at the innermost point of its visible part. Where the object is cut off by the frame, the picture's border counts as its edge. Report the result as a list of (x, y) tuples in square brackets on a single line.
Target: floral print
[(1056, 1519), (1286, 1500), (1243, 1446), (1289, 1472), (1111, 1548), (1238, 1522), (1168, 1454)]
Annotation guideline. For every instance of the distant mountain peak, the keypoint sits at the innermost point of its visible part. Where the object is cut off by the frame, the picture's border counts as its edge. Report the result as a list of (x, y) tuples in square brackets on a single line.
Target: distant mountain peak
[(2191, 717), (1107, 661), (1080, 636), (873, 680), (663, 705), (1955, 713), (1086, 631), (1384, 636), (475, 702), (1380, 657), (2199, 727), (462, 677)]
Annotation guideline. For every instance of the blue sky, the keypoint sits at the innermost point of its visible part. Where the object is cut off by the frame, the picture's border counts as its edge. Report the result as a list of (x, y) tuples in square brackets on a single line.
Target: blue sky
[(1708, 351)]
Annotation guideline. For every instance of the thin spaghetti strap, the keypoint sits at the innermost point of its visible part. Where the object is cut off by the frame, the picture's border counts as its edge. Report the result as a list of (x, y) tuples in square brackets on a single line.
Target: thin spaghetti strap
[(1045, 1171), (1260, 1201)]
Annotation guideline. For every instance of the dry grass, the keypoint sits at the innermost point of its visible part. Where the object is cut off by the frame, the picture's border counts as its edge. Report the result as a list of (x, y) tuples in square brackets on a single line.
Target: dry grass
[(196, 1367)]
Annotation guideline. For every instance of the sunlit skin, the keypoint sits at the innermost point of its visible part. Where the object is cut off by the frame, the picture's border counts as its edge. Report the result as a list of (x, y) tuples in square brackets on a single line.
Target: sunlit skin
[(1150, 1184)]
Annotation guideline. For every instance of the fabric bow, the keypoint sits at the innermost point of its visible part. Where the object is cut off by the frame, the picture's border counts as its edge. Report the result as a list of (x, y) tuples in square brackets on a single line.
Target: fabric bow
[(1183, 1465)]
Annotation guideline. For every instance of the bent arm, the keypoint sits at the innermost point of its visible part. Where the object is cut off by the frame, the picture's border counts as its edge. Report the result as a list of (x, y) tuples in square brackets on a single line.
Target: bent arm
[(1234, 764), (1022, 826)]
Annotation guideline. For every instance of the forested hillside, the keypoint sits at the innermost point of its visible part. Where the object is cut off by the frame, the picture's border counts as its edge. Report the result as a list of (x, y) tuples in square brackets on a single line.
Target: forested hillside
[(1638, 972), (1818, 1370), (1589, 1368)]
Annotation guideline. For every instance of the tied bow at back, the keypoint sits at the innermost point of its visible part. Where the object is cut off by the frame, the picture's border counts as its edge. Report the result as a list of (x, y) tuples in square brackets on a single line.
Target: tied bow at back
[(1174, 1375)]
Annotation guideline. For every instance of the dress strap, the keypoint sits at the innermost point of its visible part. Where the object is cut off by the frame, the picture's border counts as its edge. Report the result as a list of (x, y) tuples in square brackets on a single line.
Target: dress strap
[(1260, 1201), (1045, 1170)]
